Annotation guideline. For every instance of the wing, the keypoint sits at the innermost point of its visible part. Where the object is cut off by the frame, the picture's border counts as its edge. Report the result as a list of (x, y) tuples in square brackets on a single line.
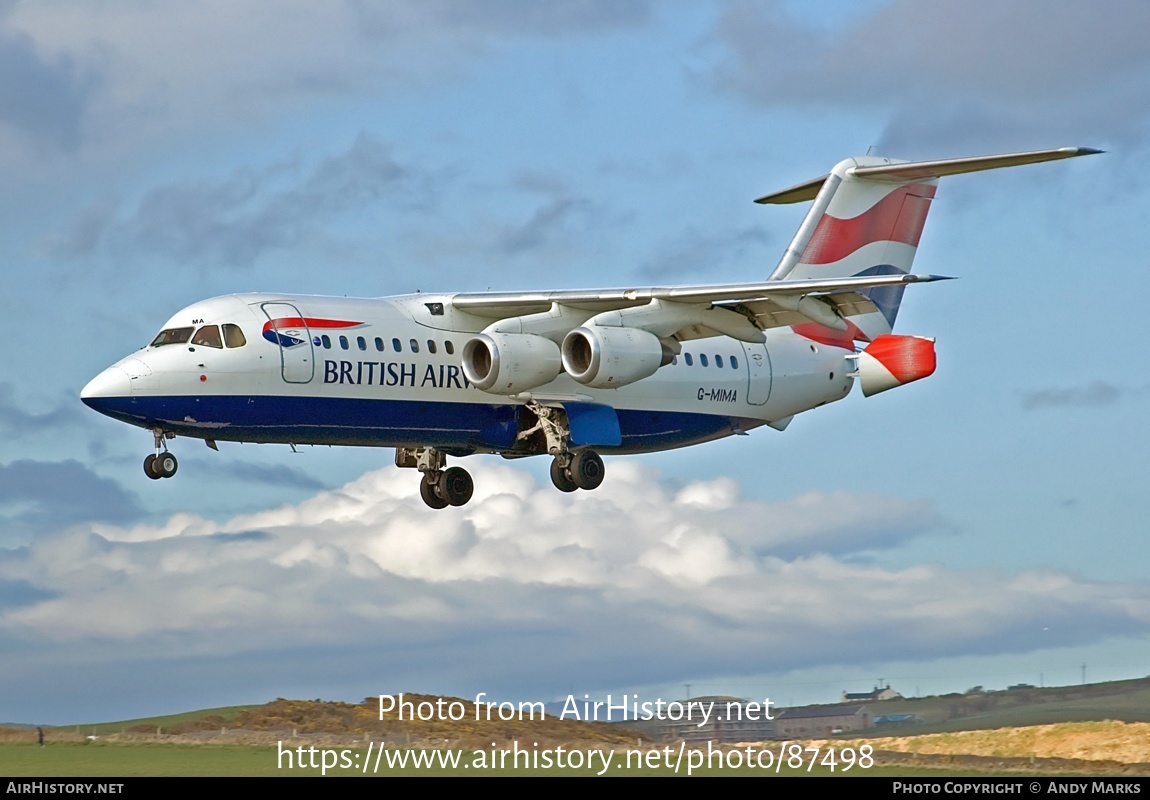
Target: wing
[(850, 258), (844, 270), (740, 310)]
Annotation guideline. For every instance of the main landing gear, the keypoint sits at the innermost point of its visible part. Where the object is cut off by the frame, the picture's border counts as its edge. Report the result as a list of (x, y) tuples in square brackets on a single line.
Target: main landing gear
[(581, 469), (439, 487), (161, 464)]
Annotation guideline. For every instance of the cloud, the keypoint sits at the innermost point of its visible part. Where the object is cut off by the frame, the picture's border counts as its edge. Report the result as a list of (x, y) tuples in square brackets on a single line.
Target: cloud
[(209, 63), (44, 99), (506, 18), (39, 496), (1097, 393), (16, 593), (271, 474), (552, 219), (987, 71), (638, 582), (234, 219), (695, 253), (559, 216), (15, 421)]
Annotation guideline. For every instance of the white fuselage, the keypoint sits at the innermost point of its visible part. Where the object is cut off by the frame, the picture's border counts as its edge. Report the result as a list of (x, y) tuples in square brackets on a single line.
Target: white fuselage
[(386, 372)]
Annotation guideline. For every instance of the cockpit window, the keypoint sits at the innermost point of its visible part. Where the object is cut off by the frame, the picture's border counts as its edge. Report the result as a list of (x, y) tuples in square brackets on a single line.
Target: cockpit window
[(208, 336), (233, 336), (172, 336)]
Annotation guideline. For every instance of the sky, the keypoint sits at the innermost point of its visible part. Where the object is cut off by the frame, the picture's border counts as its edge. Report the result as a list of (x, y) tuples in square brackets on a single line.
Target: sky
[(984, 526)]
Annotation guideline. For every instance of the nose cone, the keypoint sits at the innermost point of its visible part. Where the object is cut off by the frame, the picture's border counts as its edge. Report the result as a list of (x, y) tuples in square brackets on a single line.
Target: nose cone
[(110, 384)]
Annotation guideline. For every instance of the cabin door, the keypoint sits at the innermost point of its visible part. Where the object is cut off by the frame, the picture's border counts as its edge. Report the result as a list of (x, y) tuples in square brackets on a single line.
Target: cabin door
[(288, 328), (758, 373)]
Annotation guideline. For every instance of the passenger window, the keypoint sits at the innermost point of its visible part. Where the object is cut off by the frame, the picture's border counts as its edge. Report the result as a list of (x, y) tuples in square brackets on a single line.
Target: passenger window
[(172, 336), (719, 362), (208, 336), (379, 344), (362, 343), (703, 359), (326, 342), (414, 346), (343, 342), (734, 363), (396, 345), (431, 346), (449, 347), (233, 336), (688, 359)]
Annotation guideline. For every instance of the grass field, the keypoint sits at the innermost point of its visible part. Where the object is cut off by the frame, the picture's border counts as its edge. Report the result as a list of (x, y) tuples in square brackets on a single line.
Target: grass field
[(241, 740), (94, 759), (75, 759)]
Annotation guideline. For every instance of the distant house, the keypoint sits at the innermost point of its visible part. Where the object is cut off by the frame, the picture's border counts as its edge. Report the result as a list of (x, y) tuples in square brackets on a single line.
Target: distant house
[(886, 693), (730, 720), (818, 721)]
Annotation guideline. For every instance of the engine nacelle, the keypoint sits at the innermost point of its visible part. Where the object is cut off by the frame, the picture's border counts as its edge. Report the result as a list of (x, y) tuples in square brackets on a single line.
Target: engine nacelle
[(607, 357), (891, 361), (509, 363)]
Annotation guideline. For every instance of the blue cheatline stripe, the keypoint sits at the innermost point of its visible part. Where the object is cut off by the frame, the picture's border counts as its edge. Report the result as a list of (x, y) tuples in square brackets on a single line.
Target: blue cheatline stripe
[(454, 427)]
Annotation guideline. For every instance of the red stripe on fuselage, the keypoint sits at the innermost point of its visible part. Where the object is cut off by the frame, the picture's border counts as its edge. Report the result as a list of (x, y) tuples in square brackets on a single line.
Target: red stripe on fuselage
[(898, 217), (309, 322)]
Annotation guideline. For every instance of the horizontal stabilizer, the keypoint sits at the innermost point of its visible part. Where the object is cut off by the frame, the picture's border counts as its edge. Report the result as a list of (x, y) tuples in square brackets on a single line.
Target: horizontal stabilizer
[(926, 170), (799, 193)]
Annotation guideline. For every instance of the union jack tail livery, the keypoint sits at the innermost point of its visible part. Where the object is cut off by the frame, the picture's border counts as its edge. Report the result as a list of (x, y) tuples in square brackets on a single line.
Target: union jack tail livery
[(867, 219)]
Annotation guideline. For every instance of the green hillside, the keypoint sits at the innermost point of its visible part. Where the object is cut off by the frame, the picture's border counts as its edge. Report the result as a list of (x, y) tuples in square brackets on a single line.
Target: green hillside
[(214, 716), (1125, 701)]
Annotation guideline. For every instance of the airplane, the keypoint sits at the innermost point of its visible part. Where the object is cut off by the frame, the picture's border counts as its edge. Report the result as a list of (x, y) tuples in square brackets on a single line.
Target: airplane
[(572, 374)]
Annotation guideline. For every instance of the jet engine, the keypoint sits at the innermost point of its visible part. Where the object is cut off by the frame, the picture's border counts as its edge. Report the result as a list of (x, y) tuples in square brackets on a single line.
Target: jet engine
[(607, 357), (509, 363), (892, 360)]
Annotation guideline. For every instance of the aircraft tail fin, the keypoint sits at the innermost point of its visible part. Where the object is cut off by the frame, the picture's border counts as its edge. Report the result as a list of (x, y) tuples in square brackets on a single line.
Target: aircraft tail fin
[(867, 217)]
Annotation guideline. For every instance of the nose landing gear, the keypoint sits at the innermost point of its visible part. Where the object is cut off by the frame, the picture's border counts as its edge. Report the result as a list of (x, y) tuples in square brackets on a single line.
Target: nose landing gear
[(161, 464)]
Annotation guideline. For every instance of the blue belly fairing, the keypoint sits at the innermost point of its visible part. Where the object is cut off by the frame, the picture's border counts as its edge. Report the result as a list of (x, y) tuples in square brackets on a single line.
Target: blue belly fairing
[(456, 428)]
